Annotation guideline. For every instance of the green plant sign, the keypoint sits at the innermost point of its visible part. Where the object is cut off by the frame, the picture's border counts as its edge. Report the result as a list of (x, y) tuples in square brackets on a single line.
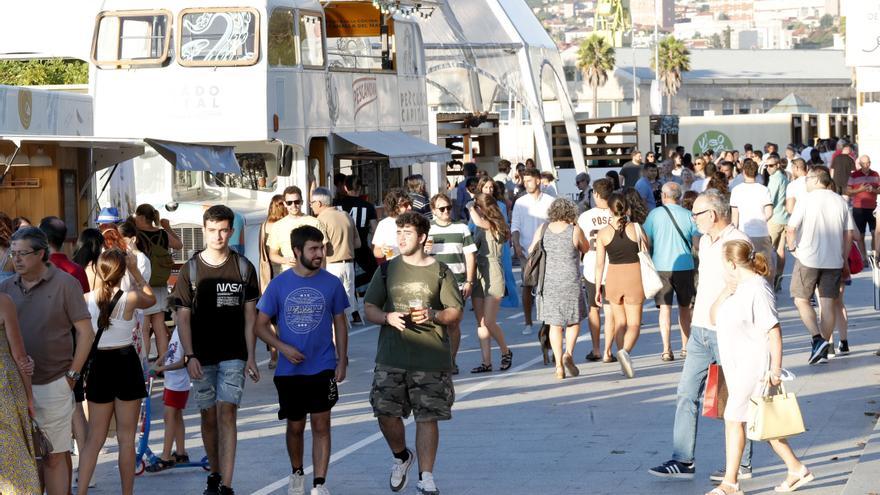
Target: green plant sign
[(712, 140)]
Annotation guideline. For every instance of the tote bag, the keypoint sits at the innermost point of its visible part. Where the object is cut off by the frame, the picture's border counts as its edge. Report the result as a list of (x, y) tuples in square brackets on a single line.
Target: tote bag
[(774, 416), (651, 283)]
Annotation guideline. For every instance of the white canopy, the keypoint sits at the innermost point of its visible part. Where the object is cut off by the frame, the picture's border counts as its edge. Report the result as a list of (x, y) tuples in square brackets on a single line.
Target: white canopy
[(401, 148), (105, 151), (480, 53)]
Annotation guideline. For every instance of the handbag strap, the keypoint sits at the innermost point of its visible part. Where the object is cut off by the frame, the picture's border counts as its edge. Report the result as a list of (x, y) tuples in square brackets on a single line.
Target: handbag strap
[(100, 331), (677, 228)]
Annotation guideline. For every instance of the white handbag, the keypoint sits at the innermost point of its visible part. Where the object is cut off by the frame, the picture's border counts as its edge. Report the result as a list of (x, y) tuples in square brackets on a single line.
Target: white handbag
[(651, 283), (773, 415)]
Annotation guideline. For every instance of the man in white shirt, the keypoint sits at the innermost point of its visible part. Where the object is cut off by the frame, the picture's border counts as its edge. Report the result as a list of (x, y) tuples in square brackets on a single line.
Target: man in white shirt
[(529, 212), (711, 213), (750, 208), (819, 235), (503, 176), (591, 222), (797, 187)]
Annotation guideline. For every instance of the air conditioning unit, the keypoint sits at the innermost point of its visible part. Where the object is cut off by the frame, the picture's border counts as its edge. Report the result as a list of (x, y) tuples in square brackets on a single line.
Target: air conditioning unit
[(193, 238)]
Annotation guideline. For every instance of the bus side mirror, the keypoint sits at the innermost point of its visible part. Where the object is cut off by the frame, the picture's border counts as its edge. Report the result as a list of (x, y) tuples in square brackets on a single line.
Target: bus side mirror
[(286, 162)]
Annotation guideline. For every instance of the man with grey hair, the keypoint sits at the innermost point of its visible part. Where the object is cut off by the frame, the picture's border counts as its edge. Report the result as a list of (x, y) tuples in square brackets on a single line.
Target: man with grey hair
[(671, 234), (340, 242), (49, 303), (711, 214)]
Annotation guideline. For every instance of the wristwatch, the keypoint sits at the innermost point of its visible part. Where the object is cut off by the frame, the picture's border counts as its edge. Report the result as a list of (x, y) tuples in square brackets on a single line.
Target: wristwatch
[(186, 359), (73, 375)]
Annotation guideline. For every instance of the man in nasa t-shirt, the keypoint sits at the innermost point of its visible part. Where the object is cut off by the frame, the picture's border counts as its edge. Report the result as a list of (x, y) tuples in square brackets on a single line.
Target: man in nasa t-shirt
[(591, 222)]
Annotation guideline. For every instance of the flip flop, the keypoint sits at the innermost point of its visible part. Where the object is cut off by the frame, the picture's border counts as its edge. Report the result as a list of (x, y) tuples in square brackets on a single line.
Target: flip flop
[(160, 465)]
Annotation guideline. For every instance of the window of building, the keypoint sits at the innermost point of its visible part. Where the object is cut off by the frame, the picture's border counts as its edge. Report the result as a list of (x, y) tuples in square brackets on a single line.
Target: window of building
[(606, 109), (843, 105), (358, 38), (218, 37), (624, 108), (727, 107), (699, 107), (282, 40), (311, 40), (767, 104), (744, 107), (127, 38)]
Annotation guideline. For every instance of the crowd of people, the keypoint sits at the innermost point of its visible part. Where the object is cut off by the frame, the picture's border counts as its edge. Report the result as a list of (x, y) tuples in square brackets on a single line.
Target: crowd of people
[(715, 228)]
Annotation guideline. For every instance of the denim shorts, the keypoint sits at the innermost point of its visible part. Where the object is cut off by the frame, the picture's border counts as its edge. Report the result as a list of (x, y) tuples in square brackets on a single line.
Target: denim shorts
[(220, 382)]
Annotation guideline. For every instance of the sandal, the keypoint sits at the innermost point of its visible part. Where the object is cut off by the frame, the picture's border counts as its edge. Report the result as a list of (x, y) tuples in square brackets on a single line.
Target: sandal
[(180, 459), (667, 356), (568, 364), (482, 368), (592, 357), (506, 360), (804, 477), (160, 465), (718, 490), (609, 359)]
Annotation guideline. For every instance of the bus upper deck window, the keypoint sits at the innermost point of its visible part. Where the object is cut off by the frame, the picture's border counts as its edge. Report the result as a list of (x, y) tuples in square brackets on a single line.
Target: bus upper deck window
[(217, 37), (131, 38), (311, 39), (282, 43)]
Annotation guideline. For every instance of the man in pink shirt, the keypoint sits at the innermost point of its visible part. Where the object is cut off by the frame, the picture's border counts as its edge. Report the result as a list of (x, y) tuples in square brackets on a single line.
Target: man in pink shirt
[(862, 188)]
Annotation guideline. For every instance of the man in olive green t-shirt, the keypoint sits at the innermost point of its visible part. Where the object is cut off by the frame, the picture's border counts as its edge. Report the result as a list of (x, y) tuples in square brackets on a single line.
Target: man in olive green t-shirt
[(414, 298)]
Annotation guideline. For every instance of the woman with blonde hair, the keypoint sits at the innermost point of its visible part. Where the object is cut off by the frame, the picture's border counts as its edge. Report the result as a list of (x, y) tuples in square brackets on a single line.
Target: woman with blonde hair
[(490, 235), (269, 270), (561, 303), (750, 348), (621, 241), (115, 380)]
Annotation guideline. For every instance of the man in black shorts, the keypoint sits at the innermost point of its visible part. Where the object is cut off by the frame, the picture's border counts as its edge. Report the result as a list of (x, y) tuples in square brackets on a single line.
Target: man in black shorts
[(309, 305), (672, 233)]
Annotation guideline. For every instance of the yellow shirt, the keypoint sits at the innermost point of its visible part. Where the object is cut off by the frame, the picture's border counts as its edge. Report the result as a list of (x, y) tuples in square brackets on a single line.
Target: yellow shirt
[(279, 235)]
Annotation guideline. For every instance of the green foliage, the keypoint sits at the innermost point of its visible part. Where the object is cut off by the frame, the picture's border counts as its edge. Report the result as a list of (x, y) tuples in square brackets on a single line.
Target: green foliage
[(596, 59), (43, 72), (723, 17), (826, 21), (675, 59)]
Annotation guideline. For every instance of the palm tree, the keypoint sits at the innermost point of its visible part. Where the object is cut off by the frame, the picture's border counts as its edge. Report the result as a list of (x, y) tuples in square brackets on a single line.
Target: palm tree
[(675, 59), (595, 58)]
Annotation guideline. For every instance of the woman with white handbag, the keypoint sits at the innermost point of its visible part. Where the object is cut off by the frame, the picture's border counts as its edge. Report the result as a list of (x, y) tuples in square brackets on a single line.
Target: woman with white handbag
[(750, 347), (622, 240)]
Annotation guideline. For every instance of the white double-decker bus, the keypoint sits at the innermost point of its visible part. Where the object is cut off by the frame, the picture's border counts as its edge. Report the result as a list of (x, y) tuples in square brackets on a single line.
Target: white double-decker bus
[(286, 92)]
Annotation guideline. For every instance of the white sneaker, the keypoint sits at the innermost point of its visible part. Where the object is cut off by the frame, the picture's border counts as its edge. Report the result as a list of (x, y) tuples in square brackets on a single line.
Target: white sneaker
[(426, 485), (528, 329), (297, 484), (625, 363), (399, 470), (320, 490)]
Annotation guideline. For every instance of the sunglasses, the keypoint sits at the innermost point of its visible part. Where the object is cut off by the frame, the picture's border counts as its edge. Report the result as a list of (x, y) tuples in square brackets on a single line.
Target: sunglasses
[(444, 209), (296, 202)]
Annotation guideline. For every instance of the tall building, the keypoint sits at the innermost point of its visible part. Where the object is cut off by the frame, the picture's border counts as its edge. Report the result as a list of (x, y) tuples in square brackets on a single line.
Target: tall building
[(643, 13)]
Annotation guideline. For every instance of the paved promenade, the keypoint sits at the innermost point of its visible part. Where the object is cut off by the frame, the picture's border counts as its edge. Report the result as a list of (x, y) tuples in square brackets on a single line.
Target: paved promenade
[(524, 432)]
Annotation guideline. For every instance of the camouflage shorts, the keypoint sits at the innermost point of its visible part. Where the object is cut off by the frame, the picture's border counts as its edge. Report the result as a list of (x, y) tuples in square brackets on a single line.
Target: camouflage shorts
[(396, 392)]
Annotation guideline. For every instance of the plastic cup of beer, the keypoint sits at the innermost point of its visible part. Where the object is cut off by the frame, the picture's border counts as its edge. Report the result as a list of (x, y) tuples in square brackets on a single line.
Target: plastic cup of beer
[(389, 252), (415, 305)]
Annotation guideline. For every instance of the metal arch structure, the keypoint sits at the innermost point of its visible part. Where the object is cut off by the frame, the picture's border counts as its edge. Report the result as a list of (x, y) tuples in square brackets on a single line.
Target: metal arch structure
[(496, 39)]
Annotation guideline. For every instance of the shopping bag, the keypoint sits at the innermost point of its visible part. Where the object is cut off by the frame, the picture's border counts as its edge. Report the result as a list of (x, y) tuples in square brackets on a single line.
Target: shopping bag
[(774, 414), (715, 395), (855, 261)]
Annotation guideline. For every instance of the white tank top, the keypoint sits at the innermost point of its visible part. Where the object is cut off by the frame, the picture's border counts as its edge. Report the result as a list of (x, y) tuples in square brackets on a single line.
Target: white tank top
[(119, 332)]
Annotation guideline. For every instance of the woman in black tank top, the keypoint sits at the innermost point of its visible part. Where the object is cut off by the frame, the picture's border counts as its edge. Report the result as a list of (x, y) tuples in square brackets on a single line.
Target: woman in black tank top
[(621, 242)]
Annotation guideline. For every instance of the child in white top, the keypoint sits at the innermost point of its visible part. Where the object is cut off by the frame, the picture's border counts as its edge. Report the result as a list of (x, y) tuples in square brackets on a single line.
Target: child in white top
[(177, 386)]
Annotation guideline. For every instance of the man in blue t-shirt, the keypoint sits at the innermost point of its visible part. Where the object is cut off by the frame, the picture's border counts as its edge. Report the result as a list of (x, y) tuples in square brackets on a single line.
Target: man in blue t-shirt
[(308, 306), (672, 232)]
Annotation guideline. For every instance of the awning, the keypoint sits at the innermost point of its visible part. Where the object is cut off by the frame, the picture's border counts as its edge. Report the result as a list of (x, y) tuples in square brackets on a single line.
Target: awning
[(402, 149), (106, 152), (197, 157)]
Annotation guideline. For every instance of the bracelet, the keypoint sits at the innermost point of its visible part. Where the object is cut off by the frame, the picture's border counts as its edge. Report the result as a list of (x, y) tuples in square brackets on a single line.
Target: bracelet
[(469, 282)]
